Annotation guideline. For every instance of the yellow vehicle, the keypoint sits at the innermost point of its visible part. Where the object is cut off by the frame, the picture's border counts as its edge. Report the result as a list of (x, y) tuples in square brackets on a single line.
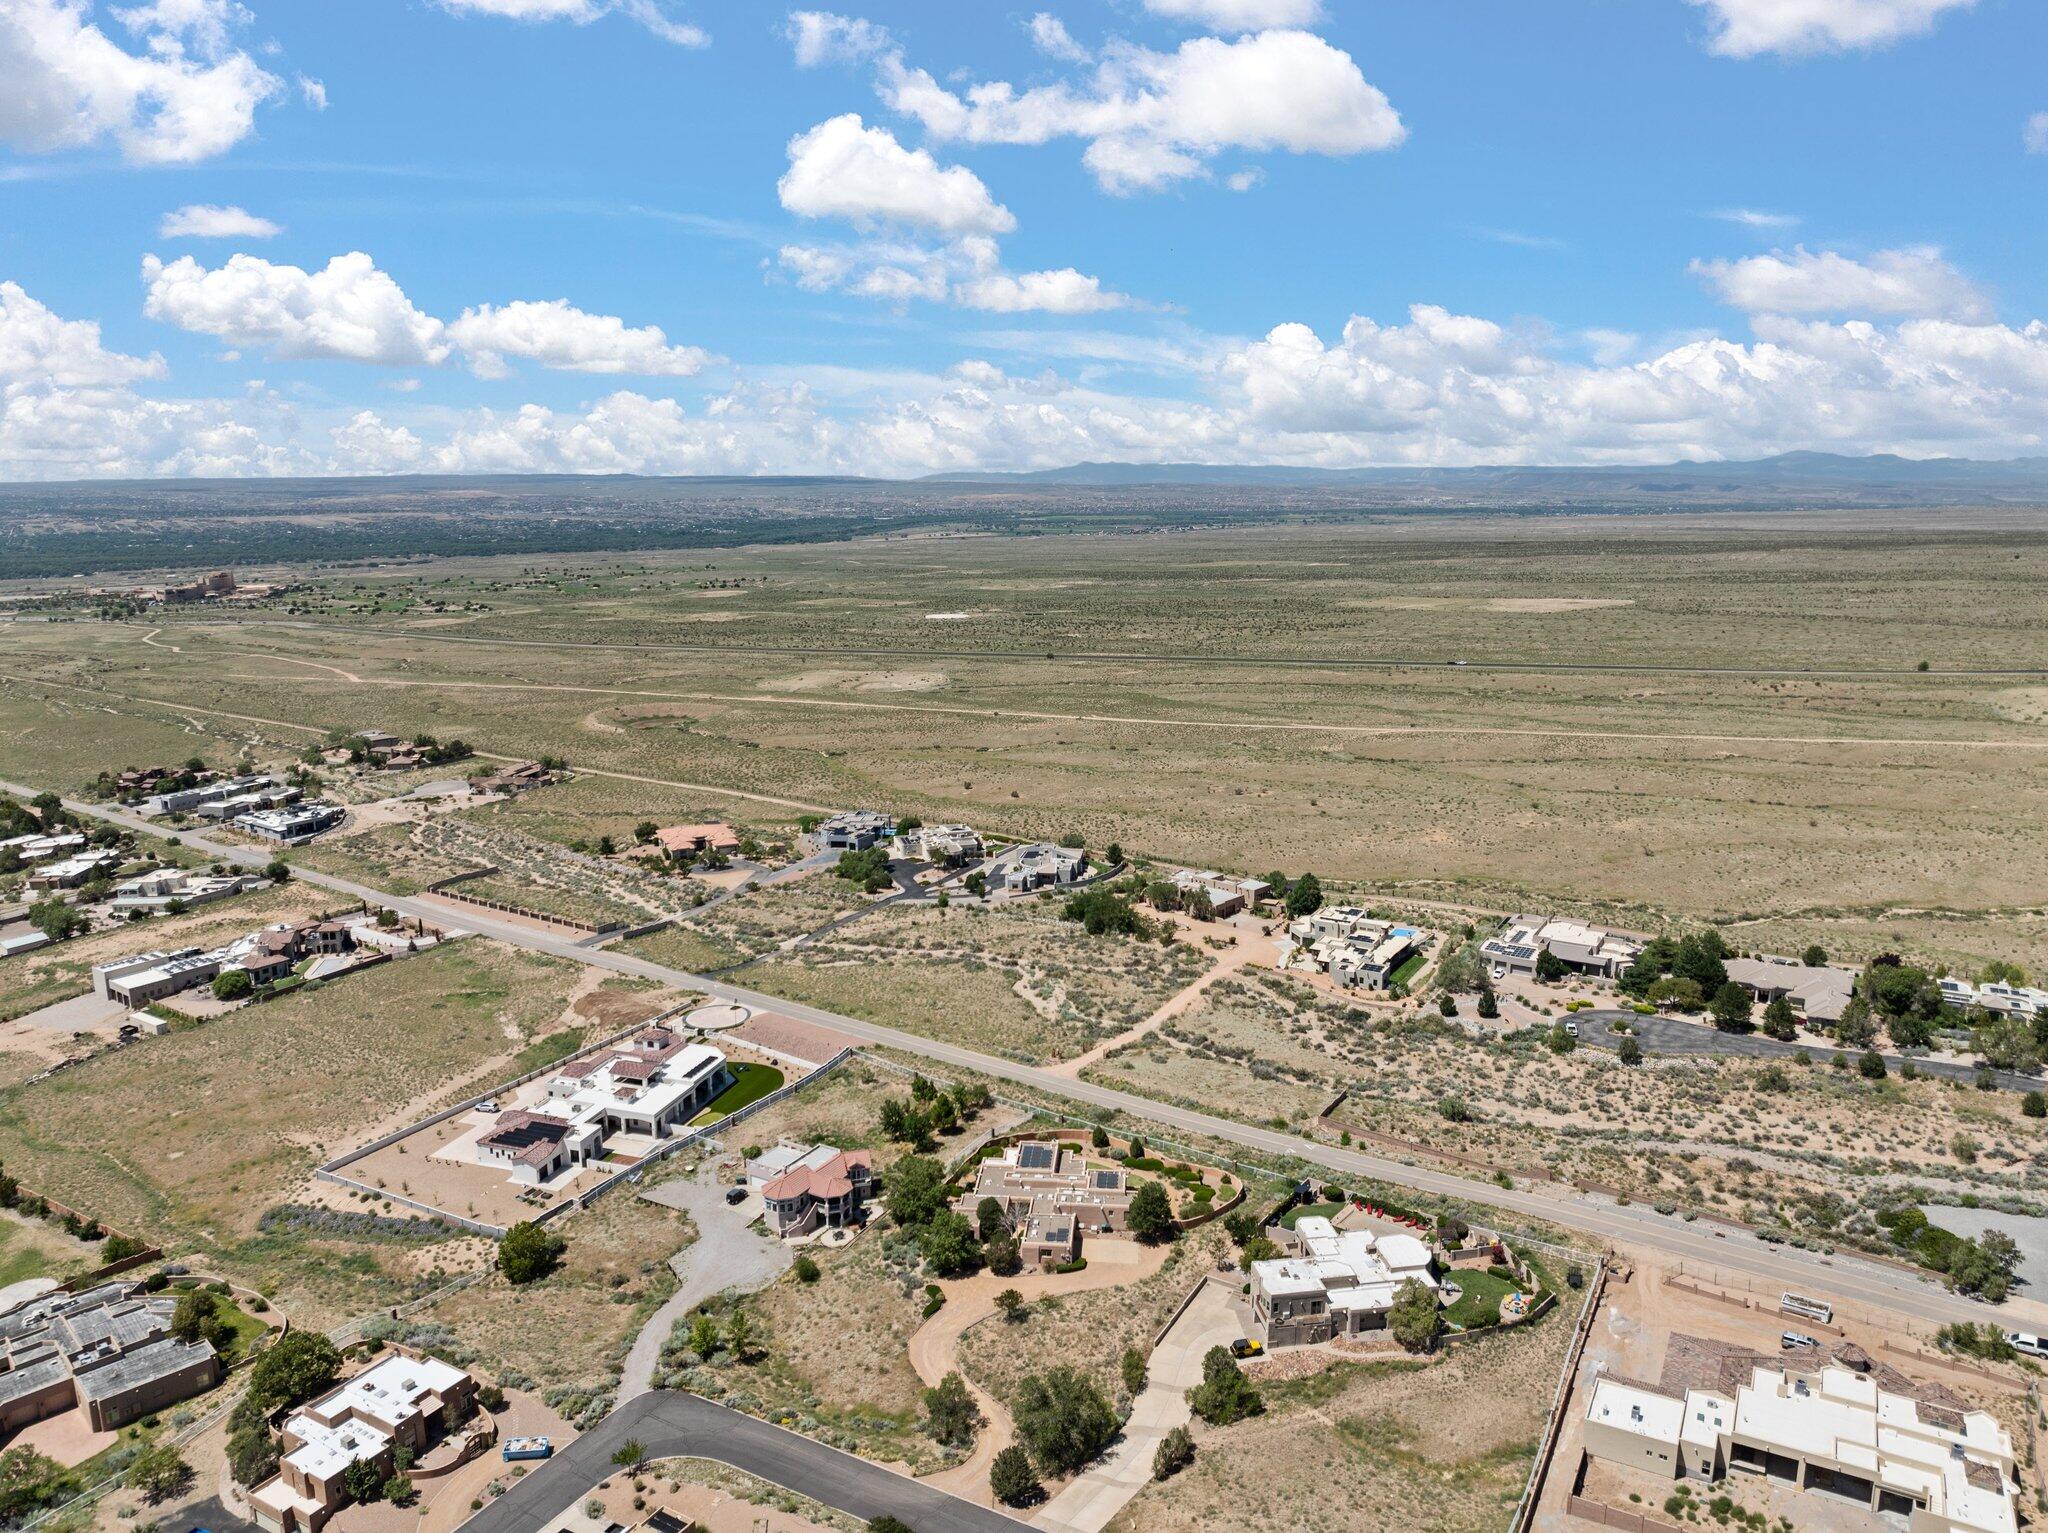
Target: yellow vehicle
[(1245, 1347)]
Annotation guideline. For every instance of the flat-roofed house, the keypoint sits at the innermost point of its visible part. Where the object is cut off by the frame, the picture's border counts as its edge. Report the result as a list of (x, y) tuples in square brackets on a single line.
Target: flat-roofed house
[(651, 1085), (1225, 893), (1051, 1197), (1337, 1283), (71, 872), (1039, 866), (1594, 950), (1846, 1428), (398, 1401), (137, 988), (946, 846), (855, 830), (108, 1351)]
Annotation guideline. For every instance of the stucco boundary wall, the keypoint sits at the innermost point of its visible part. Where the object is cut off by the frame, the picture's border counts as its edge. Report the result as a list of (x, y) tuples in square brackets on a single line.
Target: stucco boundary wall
[(1561, 1399), (330, 1170)]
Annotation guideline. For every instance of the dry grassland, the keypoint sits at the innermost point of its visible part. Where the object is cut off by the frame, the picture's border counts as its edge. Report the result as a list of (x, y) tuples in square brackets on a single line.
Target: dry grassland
[(1387, 1446), (239, 1110)]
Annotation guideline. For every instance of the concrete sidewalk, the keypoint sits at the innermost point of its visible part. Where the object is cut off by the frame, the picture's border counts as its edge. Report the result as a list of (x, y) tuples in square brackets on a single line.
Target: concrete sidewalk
[(1175, 1367)]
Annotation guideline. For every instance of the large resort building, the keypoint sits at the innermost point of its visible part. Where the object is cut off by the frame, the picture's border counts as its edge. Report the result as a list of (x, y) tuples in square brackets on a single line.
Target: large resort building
[(1336, 1283), (1846, 1427), (108, 1351), (648, 1085)]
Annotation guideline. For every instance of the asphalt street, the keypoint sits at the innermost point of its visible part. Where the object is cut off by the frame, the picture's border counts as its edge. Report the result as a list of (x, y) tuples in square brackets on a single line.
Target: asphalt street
[(670, 1425), (1842, 1276)]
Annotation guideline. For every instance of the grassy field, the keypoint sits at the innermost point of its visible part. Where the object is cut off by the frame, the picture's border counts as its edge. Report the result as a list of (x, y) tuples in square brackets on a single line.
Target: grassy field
[(751, 1082), (297, 1079)]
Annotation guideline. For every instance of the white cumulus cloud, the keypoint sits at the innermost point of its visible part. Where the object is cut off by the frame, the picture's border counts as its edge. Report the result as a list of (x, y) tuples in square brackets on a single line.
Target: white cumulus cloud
[(844, 169), (558, 335), (1065, 291), (648, 13), (65, 84), (347, 311), (2034, 133), (1912, 282), (39, 349), (1151, 118), (205, 221), (824, 37), (1239, 15), (1746, 28), (1049, 35)]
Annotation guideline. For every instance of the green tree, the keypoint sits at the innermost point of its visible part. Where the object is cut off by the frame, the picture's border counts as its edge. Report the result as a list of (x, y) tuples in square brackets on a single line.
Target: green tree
[(31, 1481), (2004, 1043), (1856, 1029), (1871, 1065), (2034, 1105), (1011, 1479), (1175, 1452), (948, 1243), (55, 919), (1549, 967), (159, 1473), (1001, 1253), (703, 1336), (1133, 1366), (1489, 1006), (1814, 956), (950, 1414), (1629, 1051), (1304, 897), (1063, 1419), (278, 871), (252, 1453), (398, 1490), (362, 1481), (1098, 1137), (529, 1252), (197, 1317), (629, 1453), (806, 1268), (1732, 1007), (1258, 1249), (989, 1219), (1150, 1218), (293, 1369), (1413, 1319), (1698, 958), (739, 1335), (1225, 1394), (917, 1190), (1779, 1022), (1678, 993), (1102, 912), (232, 984), (645, 831), (1011, 1303)]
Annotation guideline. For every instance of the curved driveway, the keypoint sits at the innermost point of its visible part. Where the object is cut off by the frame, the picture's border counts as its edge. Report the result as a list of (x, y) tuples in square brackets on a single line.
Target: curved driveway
[(670, 1424)]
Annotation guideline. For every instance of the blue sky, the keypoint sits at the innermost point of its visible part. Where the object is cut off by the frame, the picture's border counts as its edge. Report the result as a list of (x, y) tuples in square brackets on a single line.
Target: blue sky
[(651, 236)]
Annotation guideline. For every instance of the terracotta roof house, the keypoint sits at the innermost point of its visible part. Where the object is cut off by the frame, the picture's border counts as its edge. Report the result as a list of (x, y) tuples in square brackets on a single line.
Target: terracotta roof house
[(817, 1188), (715, 835)]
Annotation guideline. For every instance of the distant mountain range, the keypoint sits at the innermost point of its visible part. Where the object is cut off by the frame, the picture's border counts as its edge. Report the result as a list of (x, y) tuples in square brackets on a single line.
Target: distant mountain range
[(1878, 474)]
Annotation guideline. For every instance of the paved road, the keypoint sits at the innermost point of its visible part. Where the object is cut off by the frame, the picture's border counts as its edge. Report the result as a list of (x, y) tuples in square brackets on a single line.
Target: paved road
[(1121, 657), (668, 1424), (1842, 1277), (1668, 1035)]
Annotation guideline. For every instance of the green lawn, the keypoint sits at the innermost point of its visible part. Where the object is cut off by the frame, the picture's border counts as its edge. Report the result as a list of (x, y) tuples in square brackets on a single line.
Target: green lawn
[(1410, 967), (1480, 1302), (1308, 1210), (19, 1258), (750, 1083)]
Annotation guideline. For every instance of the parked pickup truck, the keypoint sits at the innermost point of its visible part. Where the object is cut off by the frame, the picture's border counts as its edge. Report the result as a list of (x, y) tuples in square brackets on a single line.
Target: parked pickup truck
[(514, 1448)]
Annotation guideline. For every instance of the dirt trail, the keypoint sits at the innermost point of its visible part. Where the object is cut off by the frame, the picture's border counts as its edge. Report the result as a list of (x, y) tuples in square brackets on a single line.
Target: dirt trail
[(1250, 948), (935, 1346)]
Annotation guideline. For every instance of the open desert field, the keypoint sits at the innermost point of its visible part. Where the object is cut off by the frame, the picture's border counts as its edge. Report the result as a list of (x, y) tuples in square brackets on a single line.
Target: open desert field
[(299, 1078), (1767, 748)]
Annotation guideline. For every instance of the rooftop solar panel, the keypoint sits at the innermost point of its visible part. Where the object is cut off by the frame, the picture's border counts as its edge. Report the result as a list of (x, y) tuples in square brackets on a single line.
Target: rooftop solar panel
[(1036, 1157)]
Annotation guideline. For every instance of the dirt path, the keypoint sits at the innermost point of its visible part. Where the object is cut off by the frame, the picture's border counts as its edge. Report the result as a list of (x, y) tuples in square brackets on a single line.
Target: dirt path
[(1250, 948), (935, 1346)]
